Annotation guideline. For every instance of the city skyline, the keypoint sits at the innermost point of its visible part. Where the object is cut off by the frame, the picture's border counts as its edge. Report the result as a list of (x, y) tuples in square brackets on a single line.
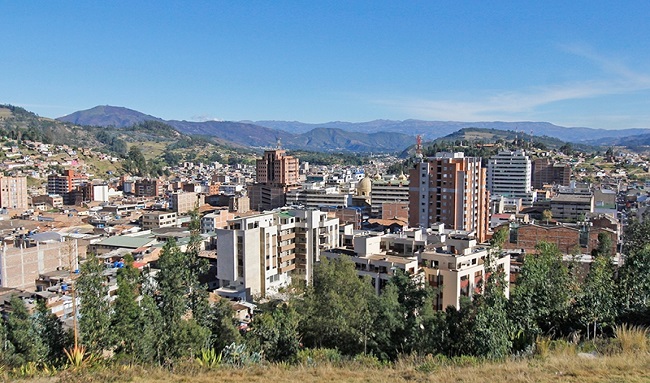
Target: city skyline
[(571, 64)]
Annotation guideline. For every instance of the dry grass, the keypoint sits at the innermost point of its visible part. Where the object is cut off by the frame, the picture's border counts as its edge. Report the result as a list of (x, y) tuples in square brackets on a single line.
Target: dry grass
[(554, 368)]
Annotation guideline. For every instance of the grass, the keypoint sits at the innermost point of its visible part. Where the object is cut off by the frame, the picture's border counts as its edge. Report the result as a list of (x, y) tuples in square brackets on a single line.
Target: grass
[(624, 367)]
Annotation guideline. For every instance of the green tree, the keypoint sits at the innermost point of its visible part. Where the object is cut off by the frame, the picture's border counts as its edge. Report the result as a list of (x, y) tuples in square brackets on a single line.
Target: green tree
[(196, 266), (152, 333), (634, 286), (23, 335), (95, 310), (596, 302), (540, 301), (173, 290), (547, 215), (336, 311), (275, 333), (604, 247), (126, 319), (223, 325), (52, 334)]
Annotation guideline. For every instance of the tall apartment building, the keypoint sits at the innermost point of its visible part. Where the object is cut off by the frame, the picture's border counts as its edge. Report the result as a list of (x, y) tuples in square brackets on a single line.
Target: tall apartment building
[(547, 173), (276, 173), (13, 192), (148, 188), (449, 188), (65, 185), (509, 175), (260, 253), (183, 203)]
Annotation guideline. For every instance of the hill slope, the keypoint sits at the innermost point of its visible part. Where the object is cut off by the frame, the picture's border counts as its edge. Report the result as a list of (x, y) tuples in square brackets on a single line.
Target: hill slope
[(431, 130), (251, 135)]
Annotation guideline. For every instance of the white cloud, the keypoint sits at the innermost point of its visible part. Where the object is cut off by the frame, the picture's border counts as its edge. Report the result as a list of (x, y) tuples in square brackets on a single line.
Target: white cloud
[(616, 78)]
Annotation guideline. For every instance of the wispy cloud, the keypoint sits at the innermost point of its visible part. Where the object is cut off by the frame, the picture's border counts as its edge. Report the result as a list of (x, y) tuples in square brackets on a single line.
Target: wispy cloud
[(617, 78), (204, 118)]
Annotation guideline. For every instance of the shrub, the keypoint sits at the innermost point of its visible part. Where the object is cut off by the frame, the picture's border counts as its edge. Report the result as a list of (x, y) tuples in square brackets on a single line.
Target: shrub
[(238, 355), (317, 356)]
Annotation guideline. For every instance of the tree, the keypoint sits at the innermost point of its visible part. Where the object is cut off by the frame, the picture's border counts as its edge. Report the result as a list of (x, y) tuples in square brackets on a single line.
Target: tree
[(173, 290), (94, 314), (23, 335), (547, 215), (196, 266), (596, 302), (126, 319), (275, 333), (540, 301), (336, 310), (604, 247), (152, 334), (634, 286), (51, 332), (223, 325)]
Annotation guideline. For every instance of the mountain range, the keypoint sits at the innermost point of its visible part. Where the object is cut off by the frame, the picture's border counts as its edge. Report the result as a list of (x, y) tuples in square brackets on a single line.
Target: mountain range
[(377, 135)]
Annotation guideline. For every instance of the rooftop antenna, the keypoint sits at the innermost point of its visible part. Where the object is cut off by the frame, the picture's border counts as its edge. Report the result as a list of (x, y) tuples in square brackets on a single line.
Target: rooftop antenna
[(418, 148)]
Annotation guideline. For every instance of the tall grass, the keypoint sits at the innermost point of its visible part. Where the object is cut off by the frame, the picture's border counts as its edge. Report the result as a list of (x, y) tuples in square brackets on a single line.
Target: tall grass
[(631, 339)]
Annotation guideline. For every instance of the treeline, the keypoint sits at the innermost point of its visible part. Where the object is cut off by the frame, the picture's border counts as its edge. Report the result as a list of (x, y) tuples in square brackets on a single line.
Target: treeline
[(165, 318)]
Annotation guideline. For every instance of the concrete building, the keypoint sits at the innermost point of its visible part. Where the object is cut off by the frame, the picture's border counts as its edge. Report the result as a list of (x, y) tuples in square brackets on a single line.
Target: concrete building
[(388, 192), (544, 172), (509, 175), (457, 268), (148, 188), (449, 189), (158, 219), (183, 203), (20, 267), (260, 253), (216, 220), (276, 174), (65, 185), (572, 207), (313, 196), (13, 193)]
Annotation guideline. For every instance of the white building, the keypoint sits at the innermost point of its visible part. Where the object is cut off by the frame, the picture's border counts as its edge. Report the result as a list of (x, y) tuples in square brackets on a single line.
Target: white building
[(260, 253), (509, 175)]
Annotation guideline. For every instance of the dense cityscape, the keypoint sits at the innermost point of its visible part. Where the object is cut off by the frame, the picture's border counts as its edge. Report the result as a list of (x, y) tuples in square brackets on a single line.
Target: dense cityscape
[(277, 260)]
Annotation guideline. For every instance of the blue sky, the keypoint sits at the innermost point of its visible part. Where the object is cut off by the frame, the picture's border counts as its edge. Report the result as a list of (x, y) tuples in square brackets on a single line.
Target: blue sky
[(573, 63)]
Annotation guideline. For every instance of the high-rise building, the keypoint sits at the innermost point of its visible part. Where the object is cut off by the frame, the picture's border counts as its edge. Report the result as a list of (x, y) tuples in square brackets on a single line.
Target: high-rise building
[(66, 184), (13, 192), (509, 175), (260, 253), (276, 174), (449, 188), (547, 173), (393, 191)]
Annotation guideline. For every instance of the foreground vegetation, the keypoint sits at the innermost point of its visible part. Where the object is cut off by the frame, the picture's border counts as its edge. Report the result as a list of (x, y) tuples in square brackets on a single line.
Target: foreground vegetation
[(563, 362), (163, 324)]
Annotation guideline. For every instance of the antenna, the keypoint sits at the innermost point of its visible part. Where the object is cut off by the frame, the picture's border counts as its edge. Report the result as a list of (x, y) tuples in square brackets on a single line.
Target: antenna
[(418, 147)]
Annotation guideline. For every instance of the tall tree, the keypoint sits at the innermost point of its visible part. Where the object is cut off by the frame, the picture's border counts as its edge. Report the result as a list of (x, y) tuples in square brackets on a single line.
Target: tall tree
[(540, 301), (196, 266), (596, 303), (634, 286), (23, 335), (223, 325), (173, 290), (126, 319), (492, 327), (337, 312), (275, 333), (52, 333), (95, 310)]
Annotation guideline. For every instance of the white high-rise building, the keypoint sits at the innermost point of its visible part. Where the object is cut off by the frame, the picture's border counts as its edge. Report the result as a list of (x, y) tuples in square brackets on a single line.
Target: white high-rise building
[(258, 254), (509, 175)]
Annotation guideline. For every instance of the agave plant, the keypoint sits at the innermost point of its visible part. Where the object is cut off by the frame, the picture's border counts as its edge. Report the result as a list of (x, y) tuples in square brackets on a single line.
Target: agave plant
[(209, 358), (77, 356)]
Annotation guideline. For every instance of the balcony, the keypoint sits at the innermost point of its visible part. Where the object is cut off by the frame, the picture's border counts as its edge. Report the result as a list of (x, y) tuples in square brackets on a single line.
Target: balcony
[(288, 247), (288, 268), (287, 257), (287, 237)]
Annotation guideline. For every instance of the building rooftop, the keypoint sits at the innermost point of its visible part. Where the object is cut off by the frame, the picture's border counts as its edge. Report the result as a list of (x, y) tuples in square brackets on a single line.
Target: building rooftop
[(127, 242)]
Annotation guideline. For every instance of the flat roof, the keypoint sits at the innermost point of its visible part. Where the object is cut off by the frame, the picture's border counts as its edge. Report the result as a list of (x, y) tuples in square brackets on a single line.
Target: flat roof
[(126, 242)]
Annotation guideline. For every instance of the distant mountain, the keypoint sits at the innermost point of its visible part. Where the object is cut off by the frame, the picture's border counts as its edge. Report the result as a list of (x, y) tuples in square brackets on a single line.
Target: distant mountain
[(252, 135), (106, 115), (430, 130)]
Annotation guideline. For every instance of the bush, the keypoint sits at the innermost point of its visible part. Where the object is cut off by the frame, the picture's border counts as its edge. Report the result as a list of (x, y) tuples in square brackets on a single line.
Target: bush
[(237, 355)]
